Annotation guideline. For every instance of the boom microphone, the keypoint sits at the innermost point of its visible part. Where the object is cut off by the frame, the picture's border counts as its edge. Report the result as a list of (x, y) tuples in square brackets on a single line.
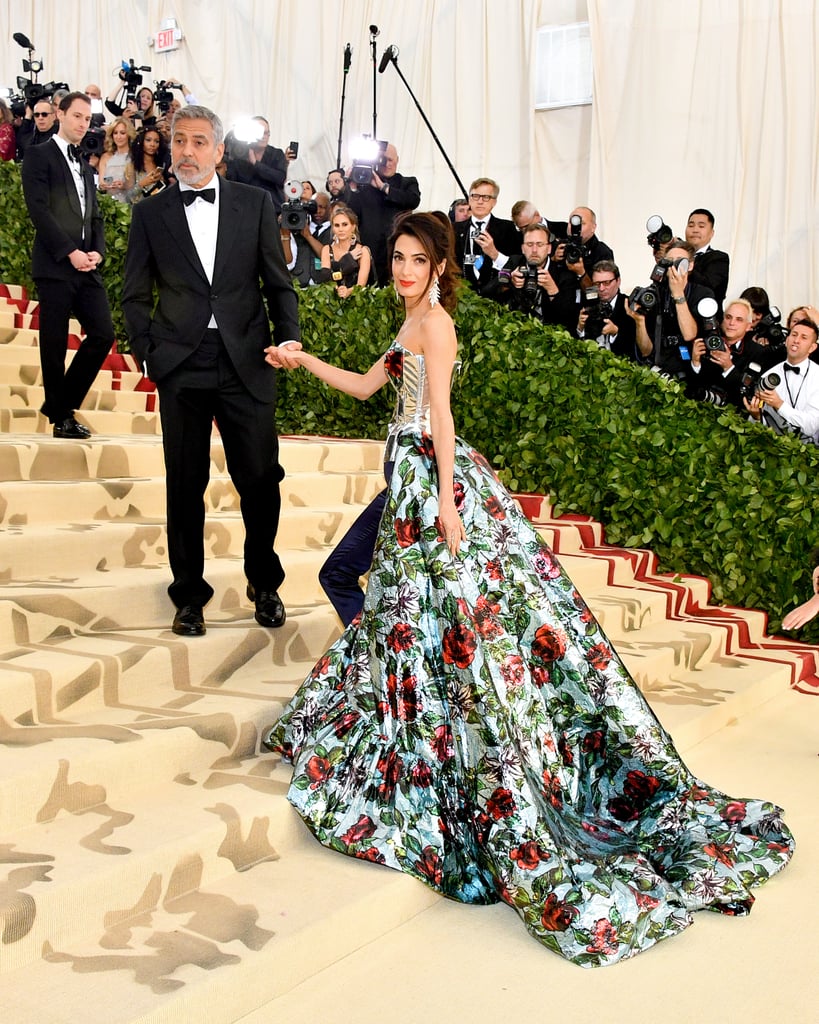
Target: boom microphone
[(386, 57), (23, 41), (348, 56)]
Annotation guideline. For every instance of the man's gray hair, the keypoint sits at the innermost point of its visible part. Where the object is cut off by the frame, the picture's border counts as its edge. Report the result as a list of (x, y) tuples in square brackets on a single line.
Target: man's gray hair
[(197, 113)]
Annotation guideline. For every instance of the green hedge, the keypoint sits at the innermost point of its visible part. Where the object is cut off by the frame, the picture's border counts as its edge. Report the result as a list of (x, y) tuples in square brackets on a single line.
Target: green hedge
[(707, 491)]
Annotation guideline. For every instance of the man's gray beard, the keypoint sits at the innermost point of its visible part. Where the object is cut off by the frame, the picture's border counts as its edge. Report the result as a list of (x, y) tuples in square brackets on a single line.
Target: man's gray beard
[(200, 176)]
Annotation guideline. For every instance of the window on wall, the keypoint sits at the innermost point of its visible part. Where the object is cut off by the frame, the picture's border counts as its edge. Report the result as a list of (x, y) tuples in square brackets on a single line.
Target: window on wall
[(563, 76)]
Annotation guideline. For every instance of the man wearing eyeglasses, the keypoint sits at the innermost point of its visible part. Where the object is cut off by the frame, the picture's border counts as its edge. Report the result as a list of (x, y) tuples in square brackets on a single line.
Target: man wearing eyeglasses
[(603, 316), (484, 243), (539, 286), (38, 126)]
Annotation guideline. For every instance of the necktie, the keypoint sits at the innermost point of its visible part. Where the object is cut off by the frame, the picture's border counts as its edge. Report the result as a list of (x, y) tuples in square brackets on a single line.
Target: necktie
[(74, 152), (189, 195), (479, 227), (792, 369)]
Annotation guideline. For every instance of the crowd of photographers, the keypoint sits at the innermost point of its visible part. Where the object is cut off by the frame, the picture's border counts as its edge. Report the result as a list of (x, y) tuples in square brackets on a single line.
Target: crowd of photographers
[(736, 353)]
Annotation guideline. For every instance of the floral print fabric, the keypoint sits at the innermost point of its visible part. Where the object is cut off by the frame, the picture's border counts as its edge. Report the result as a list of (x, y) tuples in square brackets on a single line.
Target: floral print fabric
[(475, 729)]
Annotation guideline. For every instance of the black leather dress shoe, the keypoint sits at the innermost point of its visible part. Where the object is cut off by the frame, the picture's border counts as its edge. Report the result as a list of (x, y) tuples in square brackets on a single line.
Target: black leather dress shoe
[(70, 428), (269, 608), (189, 621)]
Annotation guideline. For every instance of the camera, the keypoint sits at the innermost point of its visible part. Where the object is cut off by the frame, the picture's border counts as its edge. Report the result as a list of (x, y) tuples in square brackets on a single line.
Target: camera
[(711, 396), (770, 327), (130, 75), (367, 159), (659, 233), (528, 294), (93, 142), (163, 97), (752, 381), (295, 212), (643, 300), (596, 313), (573, 249), (33, 92), (707, 309)]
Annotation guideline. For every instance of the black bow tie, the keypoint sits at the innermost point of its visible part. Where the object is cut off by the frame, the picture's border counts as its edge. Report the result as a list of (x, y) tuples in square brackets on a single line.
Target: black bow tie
[(792, 369), (190, 194), (74, 152)]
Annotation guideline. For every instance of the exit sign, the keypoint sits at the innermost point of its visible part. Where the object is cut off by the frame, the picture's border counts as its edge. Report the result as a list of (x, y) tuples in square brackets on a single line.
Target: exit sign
[(166, 39)]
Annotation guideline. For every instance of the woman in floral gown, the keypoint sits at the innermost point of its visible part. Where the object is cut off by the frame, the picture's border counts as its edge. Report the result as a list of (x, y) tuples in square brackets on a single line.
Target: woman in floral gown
[(473, 726)]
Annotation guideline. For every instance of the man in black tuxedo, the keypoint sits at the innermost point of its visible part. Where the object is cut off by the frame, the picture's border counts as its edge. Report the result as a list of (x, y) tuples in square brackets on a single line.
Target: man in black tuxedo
[(484, 243), (615, 329), (378, 203), (204, 245), (712, 266), (69, 243)]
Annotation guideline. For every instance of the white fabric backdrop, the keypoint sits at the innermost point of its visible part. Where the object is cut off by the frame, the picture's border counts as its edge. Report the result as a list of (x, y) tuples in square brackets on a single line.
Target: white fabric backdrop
[(696, 103), (466, 61)]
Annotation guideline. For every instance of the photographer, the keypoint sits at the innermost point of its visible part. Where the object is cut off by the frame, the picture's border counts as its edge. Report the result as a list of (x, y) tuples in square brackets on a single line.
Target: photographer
[(720, 359), (578, 246), (603, 316), (37, 127), (484, 242), (336, 185), (377, 203), (537, 286), (792, 406), (253, 161), (713, 265), (666, 312)]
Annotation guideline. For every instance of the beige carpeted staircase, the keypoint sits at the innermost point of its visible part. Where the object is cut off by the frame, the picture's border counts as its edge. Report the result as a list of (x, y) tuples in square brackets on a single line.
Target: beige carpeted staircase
[(150, 866)]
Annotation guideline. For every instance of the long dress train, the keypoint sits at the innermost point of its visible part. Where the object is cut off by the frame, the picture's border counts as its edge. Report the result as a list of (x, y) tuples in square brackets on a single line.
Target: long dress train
[(474, 728)]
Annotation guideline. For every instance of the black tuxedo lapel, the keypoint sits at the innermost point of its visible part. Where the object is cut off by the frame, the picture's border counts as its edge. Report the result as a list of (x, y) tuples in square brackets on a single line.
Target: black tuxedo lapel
[(176, 223), (230, 218)]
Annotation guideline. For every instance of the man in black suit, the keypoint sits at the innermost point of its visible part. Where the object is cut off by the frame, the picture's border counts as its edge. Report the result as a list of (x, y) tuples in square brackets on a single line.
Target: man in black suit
[(536, 285), (613, 327), (712, 266), (204, 245), (378, 203), (69, 242), (484, 243)]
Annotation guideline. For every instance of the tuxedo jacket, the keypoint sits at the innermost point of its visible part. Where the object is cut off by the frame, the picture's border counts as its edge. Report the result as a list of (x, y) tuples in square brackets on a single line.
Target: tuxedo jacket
[(712, 268), (54, 207), (162, 260), (507, 240)]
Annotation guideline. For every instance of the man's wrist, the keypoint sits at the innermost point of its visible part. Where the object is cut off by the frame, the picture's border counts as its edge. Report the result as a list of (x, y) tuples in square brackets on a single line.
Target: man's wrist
[(678, 300)]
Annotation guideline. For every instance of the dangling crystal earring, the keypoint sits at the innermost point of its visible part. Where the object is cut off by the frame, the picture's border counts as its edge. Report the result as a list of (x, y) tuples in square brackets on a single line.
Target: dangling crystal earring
[(434, 293)]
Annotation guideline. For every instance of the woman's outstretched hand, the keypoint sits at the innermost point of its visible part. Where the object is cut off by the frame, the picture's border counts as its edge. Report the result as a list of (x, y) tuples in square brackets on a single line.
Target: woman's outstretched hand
[(284, 357)]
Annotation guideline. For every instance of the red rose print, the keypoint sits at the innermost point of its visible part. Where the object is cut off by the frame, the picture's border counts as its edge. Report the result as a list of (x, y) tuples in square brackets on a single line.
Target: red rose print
[(442, 743), (494, 570), (599, 656), (623, 809), (459, 494), (566, 753), (593, 742), (363, 829), (546, 567), (549, 643), (551, 789), (644, 901), (724, 854), (459, 645), (343, 725), (485, 617), (512, 670), (389, 766), (697, 793), (557, 916), (318, 770), (321, 668), (421, 774), (539, 674), (426, 447), (494, 508), (408, 531), (401, 637), (733, 812), (501, 804), (430, 865), (640, 787), (527, 856), (393, 362), (372, 854), (604, 938)]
